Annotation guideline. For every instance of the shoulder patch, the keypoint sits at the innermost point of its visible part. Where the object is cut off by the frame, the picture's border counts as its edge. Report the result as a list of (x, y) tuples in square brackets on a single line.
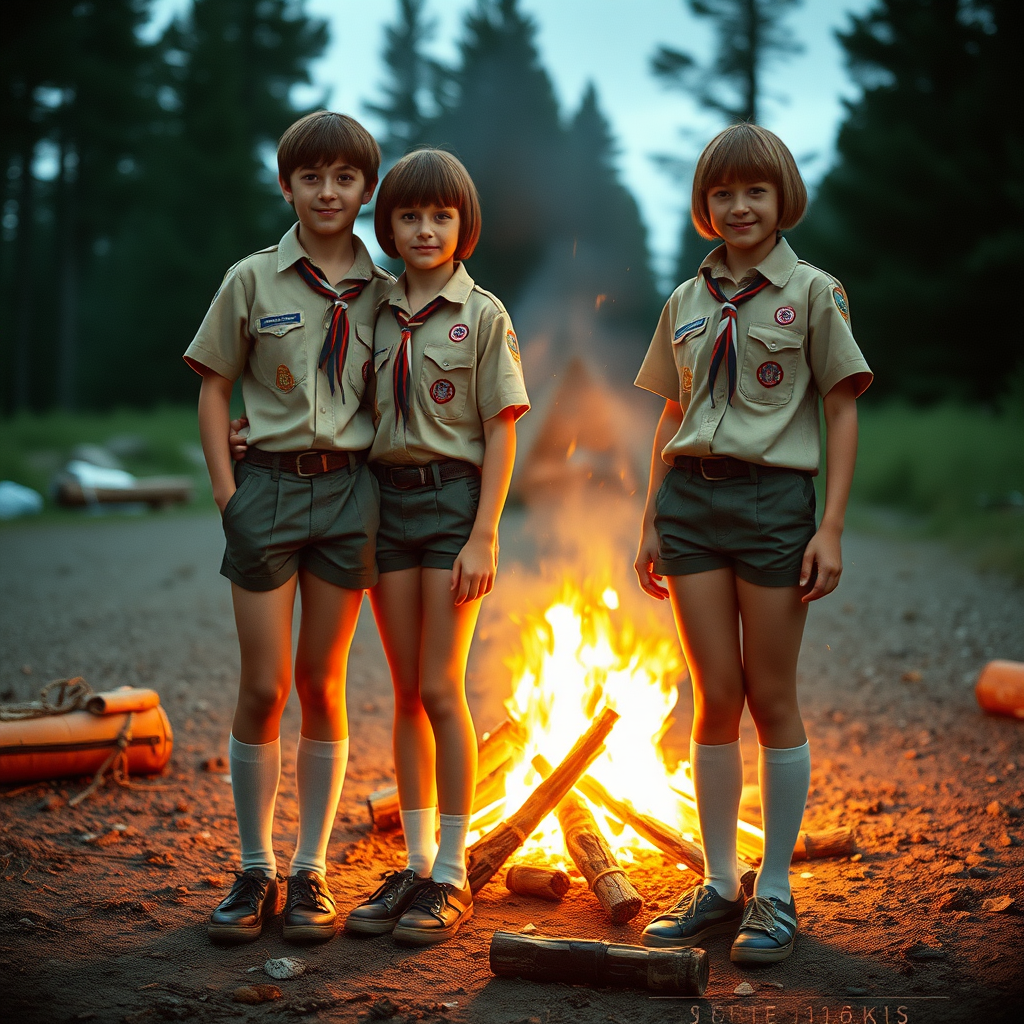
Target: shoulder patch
[(513, 343), (841, 304)]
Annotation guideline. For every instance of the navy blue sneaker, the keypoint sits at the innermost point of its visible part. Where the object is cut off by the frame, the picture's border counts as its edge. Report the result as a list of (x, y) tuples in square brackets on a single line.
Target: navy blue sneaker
[(700, 913), (767, 931)]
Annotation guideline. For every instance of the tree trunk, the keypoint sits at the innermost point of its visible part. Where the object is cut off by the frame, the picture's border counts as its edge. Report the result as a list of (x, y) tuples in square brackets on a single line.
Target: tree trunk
[(67, 332), (25, 284)]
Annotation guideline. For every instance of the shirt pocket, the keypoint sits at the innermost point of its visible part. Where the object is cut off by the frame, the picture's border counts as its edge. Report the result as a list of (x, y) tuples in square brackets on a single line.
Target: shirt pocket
[(359, 361), (770, 364), (281, 356), (445, 380), (684, 351)]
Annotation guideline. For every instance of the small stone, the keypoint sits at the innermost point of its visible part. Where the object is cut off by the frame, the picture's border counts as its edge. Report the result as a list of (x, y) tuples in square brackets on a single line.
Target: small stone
[(958, 899), (383, 1009), (991, 779), (107, 839), (528, 929), (997, 904), (856, 857), (1006, 840), (181, 807), (255, 994), (214, 881), (978, 871), (772, 984), (285, 968), (922, 951), (909, 755), (744, 988)]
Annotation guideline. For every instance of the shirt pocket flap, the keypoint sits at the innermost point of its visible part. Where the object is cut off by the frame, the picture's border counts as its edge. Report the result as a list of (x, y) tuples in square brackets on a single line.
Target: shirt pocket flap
[(279, 324), (775, 338), (691, 329), (455, 357), (364, 332), (380, 357)]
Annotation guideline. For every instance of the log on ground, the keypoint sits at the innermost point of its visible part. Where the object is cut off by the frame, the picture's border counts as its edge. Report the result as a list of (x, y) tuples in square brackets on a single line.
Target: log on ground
[(535, 880)]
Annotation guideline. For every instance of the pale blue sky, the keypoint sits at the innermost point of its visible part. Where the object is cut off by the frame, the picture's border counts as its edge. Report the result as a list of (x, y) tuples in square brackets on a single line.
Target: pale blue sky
[(610, 42)]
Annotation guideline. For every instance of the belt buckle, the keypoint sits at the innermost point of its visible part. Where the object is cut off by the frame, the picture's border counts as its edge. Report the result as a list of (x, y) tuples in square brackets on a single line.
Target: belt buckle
[(320, 455), (713, 458)]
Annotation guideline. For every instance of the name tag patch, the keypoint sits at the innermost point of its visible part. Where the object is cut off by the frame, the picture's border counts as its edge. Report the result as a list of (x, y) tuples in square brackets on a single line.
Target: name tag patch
[(693, 325), (279, 323)]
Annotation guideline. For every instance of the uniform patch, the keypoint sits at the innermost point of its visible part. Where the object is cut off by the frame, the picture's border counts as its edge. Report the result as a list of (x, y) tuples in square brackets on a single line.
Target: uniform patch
[(366, 371), (442, 391), (770, 374), (460, 332), (513, 343), (285, 380), (691, 326), (279, 324), (841, 304), (785, 315), (687, 379)]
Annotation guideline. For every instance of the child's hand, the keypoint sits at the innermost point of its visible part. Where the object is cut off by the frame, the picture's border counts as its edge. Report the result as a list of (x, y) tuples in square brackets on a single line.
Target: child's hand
[(825, 552), (474, 570), (644, 564), (238, 440)]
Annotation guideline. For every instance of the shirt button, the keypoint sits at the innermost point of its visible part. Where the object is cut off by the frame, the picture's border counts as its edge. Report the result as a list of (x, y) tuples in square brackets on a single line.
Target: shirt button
[(323, 408), (772, 346), (445, 364)]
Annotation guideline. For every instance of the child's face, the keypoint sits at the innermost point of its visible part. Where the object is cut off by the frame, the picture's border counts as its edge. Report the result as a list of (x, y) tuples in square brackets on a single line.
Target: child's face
[(426, 237), (327, 199), (744, 213)]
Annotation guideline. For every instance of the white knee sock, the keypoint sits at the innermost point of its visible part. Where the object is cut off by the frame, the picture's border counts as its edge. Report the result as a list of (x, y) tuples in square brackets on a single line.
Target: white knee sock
[(420, 827), (450, 863), (319, 774), (784, 775), (718, 781), (255, 772)]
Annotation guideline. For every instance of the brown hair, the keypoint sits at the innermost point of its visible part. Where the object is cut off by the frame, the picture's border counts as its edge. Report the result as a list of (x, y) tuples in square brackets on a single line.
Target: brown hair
[(321, 138), (747, 152), (429, 177)]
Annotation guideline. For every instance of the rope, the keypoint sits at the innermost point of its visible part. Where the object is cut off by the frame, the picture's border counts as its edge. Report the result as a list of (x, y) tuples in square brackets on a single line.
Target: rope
[(607, 871), (72, 693), (117, 762)]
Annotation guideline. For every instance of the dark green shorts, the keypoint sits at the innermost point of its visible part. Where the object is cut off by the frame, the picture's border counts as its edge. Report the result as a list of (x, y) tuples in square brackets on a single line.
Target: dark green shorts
[(425, 526), (758, 526), (326, 524)]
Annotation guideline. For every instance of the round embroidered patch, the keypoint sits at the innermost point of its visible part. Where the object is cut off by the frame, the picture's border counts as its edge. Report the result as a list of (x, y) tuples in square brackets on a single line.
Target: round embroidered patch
[(459, 332), (366, 371), (785, 315), (770, 374), (513, 343), (837, 294), (442, 391), (285, 381), (687, 379)]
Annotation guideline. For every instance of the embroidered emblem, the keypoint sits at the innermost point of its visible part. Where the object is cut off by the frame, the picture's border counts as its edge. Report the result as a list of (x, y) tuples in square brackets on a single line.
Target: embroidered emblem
[(279, 324), (285, 380), (689, 328), (841, 305), (770, 374), (442, 391), (513, 343), (366, 371), (785, 315), (687, 379), (459, 332)]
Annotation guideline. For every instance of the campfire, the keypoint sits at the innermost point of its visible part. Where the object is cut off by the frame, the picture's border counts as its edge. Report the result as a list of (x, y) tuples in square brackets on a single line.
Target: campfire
[(594, 697)]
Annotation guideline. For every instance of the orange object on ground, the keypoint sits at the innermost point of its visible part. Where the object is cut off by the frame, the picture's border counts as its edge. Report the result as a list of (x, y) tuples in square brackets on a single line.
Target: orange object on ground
[(1000, 688), (79, 742)]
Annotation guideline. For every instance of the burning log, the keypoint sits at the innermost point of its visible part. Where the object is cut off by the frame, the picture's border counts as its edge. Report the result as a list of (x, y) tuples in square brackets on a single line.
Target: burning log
[(533, 880), (496, 749), (487, 854), (592, 855), (587, 962)]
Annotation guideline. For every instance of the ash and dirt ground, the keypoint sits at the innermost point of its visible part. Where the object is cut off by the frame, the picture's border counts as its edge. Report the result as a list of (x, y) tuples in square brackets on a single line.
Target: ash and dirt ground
[(116, 933)]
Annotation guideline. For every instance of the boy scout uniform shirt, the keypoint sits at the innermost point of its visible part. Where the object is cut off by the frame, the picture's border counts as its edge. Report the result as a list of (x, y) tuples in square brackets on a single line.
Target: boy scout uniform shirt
[(793, 342), (465, 369), (267, 326)]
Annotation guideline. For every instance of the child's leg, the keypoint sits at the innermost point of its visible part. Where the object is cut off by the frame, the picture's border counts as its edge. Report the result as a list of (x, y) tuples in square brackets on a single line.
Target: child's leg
[(397, 608), (329, 616)]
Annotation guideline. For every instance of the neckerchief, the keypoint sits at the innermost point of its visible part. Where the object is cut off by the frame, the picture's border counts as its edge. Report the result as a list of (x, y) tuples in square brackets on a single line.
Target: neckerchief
[(403, 357), (335, 347), (725, 340)]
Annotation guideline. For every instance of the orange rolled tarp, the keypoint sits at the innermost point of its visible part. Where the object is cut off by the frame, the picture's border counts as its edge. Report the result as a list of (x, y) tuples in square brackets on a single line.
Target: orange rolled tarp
[(1000, 688)]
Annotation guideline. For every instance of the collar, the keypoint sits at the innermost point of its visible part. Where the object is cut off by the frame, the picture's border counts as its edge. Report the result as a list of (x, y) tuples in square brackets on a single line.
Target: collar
[(457, 290), (777, 266), (290, 250)]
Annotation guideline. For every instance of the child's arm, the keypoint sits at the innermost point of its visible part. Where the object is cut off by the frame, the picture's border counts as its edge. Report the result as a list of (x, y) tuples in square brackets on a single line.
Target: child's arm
[(841, 448), (474, 570), (214, 416), (668, 426)]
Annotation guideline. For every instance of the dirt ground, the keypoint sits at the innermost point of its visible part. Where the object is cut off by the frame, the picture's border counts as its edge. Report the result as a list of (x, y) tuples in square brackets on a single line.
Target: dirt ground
[(112, 929)]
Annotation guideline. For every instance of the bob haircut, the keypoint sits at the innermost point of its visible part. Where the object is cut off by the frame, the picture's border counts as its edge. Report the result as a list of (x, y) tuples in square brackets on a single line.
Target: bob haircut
[(429, 177), (323, 137), (747, 152)]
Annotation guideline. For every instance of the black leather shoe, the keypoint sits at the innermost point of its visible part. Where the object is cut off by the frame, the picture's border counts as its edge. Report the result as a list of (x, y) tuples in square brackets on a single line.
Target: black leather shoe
[(436, 914), (310, 914), (380, 912), (239, 916), (700, 913)]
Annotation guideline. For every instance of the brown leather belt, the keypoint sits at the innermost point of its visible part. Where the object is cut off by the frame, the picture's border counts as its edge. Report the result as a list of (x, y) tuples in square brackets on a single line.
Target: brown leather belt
[(433, 474), (718, 467), (308, 463)]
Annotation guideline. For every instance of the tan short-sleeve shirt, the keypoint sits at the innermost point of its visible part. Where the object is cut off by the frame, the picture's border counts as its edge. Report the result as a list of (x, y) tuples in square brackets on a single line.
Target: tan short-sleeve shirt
[(793, 343), (267, 326), (465, 369)]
